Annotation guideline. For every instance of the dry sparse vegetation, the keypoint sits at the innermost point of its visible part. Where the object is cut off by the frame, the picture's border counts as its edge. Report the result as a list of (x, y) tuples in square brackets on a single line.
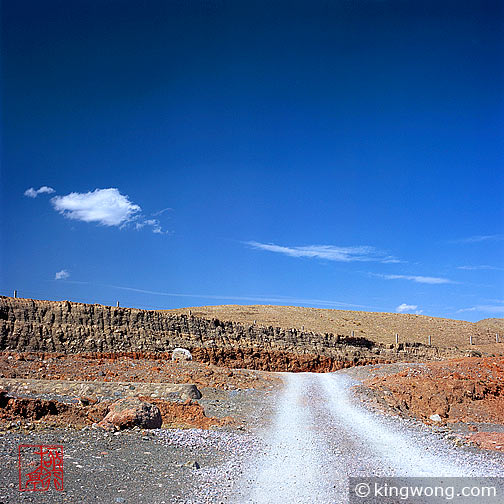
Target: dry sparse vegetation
[(378, 327)]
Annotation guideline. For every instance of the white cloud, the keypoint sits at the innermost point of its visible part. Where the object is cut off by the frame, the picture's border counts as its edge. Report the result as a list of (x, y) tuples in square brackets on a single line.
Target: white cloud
[(61, 275), (160, 212), (255, 298), (152, 223), (480, 267), (480, 238), (329, 252), (403, 308), (33, 193), (417, 278), (484, 308), (105, 206)]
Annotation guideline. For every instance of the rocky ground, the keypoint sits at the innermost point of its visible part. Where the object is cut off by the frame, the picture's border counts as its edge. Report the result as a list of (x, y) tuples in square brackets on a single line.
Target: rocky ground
[(462, 396), (81, 367), (189, 459), (203, 452)]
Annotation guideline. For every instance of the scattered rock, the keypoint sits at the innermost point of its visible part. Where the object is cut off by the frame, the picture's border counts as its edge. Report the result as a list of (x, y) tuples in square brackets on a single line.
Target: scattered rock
[(435, 418), (181, 354), (193, 464), (132, 411)]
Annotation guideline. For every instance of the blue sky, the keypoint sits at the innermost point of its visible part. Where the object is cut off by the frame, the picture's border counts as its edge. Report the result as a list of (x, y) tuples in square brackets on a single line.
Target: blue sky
[(330, 154)]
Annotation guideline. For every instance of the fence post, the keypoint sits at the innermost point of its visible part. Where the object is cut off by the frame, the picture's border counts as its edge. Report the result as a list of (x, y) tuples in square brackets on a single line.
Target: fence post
[(496, 337), (397, 339), (470, 339), (15, 293), (117, 304), (430, 340), (353, 334)]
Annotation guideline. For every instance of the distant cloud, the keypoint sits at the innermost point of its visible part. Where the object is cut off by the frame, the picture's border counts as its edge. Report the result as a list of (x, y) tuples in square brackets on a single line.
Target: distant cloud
[(416, 278), (480, 267), (403, 308), (255, 298), (494, 309), (153, 223), (33, 193), (61, 275), (480, 238), (329, 252), (159, 212)]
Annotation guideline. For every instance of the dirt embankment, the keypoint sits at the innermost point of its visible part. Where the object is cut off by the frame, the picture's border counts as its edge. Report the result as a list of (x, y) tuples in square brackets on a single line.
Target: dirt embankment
[(460, 390), (73, 328), (119, 367), (33, 413)]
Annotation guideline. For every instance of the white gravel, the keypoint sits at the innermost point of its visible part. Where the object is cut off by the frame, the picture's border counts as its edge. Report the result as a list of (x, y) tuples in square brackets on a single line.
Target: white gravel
[(321, 436)]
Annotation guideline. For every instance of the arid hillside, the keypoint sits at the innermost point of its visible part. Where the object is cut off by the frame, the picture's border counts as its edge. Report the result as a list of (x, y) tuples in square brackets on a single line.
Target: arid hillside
[(62, 327), (377, 327)]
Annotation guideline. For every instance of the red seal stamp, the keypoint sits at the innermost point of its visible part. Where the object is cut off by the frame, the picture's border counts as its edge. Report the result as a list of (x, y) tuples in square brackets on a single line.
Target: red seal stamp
[(40, 467)]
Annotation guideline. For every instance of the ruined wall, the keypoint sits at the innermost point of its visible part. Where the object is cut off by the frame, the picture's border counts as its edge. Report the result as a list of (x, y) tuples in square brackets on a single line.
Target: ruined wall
[(65, 327)]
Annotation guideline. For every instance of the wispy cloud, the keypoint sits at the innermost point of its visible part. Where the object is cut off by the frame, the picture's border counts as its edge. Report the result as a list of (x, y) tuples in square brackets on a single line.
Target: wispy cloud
[(404, 308), (33, 193), (416, 278), (480, 267), (154, 224), (254, 298), (480, 238), (62, 275), (328, 252), (160, 212), (493, 309)]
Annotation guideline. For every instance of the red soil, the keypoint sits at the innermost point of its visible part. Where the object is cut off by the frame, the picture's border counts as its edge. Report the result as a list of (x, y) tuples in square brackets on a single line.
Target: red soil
[(488, 440), (41, 412), (459, 390)]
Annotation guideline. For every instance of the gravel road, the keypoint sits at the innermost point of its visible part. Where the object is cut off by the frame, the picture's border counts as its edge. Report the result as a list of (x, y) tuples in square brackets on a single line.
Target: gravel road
[(321, 436)]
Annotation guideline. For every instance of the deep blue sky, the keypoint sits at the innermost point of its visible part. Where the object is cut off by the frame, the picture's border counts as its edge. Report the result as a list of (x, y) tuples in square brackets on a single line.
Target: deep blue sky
[(344, 154)]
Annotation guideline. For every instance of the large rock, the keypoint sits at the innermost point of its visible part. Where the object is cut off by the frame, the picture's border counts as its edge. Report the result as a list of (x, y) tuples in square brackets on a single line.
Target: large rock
[(130, 412)]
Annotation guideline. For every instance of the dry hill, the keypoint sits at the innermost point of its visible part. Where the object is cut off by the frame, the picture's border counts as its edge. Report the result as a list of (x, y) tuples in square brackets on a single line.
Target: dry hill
[(378, 327)]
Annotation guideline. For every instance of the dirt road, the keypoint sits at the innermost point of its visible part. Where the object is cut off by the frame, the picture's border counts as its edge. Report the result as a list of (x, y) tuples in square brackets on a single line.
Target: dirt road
[(320, 436)]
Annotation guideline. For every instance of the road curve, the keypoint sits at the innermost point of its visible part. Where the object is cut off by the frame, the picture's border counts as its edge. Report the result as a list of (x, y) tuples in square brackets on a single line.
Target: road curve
[(320, 436)]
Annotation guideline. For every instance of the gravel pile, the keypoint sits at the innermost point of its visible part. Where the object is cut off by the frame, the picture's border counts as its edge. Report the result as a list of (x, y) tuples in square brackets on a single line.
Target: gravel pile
[(214, 481)]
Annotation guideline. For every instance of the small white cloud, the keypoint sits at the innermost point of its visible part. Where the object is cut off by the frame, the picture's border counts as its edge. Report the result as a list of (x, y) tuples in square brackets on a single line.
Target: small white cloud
[(403, 308), (417, 278), (105, 206), (329, 252), (33, 193), (61, 275)]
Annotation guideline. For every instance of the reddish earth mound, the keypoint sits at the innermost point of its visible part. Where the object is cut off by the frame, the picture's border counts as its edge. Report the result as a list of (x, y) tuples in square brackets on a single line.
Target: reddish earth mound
[(489, 440), (48, 412), (268, 360), (459, 390), (186, 414), (128, 367), (43, 412)]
